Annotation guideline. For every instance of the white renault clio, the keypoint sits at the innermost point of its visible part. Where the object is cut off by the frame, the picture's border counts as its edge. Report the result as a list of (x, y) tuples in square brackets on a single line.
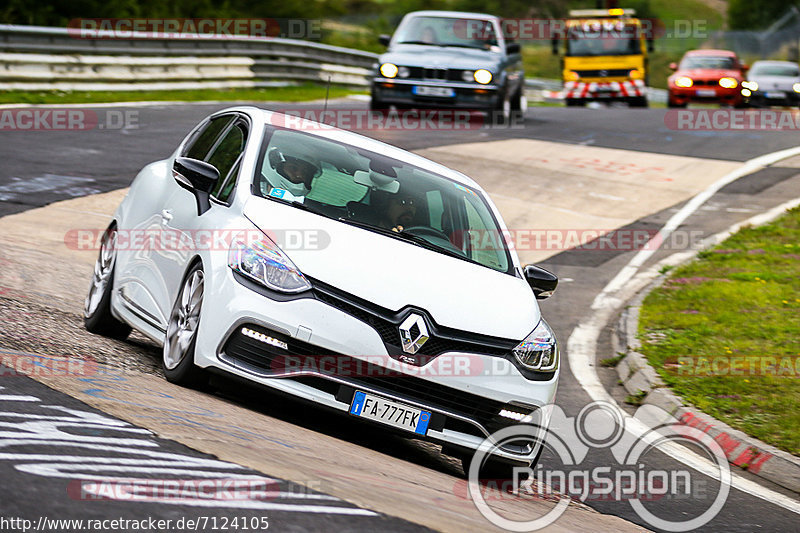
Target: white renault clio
[(337, 269)]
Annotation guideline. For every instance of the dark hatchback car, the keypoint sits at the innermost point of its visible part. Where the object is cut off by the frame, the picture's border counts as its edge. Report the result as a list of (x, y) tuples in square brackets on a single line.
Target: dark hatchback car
[(450, 59)]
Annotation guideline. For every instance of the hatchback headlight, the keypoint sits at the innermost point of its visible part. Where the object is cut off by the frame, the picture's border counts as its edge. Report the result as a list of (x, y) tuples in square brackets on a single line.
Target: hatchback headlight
[(684, 82), (265, 263), (753, 86), (539, 350), (728, 83)]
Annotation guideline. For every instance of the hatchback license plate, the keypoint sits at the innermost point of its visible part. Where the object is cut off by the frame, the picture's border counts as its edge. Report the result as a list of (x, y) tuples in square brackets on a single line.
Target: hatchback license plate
[(424, 90), (776, 95), (390, 412), (706, 93)]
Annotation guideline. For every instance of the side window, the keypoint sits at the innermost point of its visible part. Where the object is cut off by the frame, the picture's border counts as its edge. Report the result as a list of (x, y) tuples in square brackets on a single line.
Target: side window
[(225, 192), (199, 145), (435, 208), (225, 155)]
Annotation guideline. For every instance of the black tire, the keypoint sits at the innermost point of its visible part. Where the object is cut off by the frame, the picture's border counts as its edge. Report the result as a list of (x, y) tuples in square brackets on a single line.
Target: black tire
[(179, 368), (574, 102), (377, 105), (639, 101), (97, 317)]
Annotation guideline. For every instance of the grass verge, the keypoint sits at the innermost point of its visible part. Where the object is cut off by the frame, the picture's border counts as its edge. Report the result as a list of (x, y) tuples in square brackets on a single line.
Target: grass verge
[(296, 93), (724, 332)]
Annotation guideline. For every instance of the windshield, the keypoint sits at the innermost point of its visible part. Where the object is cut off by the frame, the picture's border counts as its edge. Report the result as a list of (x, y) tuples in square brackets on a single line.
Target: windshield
[(719, 62), (790, 71), (380, 194), (447, 31), (603, 38)]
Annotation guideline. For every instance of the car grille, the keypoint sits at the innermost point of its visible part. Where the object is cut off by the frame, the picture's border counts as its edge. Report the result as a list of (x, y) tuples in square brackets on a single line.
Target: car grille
[(386, 323), (705, 82), (257, 356), (608, 73), (439, 74)]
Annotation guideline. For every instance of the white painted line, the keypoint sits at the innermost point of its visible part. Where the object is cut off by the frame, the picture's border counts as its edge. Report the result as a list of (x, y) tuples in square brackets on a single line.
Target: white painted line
[(687, 210), (13, 398), (582, 343)]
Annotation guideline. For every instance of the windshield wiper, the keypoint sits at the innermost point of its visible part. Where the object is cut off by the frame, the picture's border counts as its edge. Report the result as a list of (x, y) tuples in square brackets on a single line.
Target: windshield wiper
[(419, 42), (416, 239), (464, 45)]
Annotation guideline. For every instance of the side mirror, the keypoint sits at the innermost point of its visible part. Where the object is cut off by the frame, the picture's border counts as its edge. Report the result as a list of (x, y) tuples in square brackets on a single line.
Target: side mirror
[(745, 67), (673, 66), (198, 177), (513, 48), (384, 39), (543, 282)]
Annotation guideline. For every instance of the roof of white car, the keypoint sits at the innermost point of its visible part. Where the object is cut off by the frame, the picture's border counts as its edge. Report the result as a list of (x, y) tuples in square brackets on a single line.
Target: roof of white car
[(355, 139), (774, 62), (451, 14)]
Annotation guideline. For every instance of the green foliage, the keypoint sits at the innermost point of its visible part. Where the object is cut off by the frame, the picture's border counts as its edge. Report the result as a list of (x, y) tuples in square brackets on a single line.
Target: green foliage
[(746, 15)]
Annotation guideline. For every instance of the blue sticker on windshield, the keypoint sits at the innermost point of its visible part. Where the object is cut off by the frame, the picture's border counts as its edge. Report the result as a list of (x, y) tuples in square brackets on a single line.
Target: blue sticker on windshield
[(277, 193)]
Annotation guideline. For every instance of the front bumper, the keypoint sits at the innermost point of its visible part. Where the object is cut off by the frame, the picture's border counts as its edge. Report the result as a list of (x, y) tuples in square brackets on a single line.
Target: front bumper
[(772, 98), (464, 391), (465, 95), (605, 90), (707, 94)]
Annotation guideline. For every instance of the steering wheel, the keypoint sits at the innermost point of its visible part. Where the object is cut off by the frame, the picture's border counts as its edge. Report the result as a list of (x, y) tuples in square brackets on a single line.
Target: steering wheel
[(426, 231)]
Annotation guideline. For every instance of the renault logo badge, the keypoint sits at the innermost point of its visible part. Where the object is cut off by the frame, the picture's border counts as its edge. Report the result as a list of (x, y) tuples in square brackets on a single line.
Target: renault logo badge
[(413, 333)]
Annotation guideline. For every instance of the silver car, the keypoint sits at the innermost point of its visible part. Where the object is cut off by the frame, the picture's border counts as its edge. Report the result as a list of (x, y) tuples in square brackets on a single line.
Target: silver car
[(772, 83)]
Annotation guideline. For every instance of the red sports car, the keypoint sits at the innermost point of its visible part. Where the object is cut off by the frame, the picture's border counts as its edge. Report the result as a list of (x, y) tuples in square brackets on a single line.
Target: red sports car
[(707, 76)]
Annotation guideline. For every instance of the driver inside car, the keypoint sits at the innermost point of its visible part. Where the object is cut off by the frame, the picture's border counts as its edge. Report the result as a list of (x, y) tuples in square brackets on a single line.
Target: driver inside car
[(296, 170), (397, 211)]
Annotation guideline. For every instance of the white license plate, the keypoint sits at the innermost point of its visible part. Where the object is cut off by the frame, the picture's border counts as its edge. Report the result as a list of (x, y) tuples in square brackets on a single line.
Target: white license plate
[(775, 95), (390, 412), (424, 90), (706, 93)]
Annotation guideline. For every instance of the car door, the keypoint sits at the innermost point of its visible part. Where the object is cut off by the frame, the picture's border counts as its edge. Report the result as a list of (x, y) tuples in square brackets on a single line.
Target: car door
[(191, 233), (140, 281)]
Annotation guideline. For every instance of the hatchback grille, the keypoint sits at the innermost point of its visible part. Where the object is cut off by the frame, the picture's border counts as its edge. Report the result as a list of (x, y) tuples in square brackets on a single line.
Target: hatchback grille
[(249, 353)]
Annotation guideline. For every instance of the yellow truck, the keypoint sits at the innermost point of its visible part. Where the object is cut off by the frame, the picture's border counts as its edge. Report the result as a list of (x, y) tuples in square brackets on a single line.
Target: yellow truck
[(604, 56)]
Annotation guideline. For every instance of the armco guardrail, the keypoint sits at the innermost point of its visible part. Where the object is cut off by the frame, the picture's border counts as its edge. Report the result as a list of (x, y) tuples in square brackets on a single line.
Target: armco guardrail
[(41, 58)]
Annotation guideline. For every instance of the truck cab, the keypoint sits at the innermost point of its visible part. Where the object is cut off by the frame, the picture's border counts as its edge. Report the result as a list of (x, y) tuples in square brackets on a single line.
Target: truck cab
[(604, 57)]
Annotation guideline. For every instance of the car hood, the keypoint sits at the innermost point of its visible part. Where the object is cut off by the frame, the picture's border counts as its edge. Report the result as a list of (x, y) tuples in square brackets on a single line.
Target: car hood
[(415, 55), (394, 274), (783, 83), (706, 73)]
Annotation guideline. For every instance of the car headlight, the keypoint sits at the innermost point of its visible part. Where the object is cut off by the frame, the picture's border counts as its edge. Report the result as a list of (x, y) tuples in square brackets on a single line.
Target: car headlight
[(636, 74), (684, 82), (728, 83), (482, 76), (389, 70), (539, 350), (468, 75), (265, 263), (571, 75), (753, 86), (796, 87)]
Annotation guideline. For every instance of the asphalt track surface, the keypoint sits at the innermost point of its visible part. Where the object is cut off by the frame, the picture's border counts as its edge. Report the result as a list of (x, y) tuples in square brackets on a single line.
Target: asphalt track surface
[(70, 164)]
